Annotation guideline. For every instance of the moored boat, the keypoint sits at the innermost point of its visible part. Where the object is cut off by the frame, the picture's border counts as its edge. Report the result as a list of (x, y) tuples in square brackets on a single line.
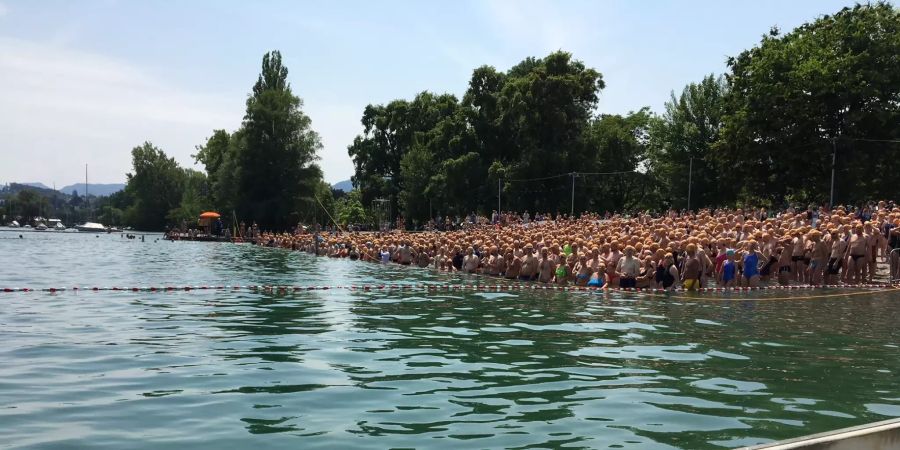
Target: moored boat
[(91, 227), (55, 224)]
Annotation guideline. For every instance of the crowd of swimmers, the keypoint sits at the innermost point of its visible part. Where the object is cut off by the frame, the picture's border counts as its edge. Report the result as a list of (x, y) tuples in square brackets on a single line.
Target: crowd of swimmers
[(725, 248)]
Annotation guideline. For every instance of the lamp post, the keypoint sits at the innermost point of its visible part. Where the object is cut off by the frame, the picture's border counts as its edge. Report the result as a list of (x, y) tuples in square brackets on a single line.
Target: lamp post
[(833, 159), (572, 207), (690, 181), (389, 178)]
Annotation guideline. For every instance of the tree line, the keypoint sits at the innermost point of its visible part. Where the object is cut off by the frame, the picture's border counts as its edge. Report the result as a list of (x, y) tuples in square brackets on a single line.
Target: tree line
[(765, 133), (266, 171)]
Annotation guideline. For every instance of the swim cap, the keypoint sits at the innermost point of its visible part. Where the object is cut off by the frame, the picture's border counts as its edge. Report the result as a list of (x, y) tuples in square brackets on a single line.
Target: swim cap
[(729, 252)]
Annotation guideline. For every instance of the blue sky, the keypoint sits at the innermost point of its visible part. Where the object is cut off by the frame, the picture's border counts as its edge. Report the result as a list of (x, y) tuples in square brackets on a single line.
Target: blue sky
[(85, 81)]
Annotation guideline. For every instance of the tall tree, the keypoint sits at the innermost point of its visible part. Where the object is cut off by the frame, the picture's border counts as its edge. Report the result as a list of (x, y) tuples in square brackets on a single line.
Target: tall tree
[(429, 123), (796, 97), (686, 131), (213, 155), (194, 198), (277, 172), (615, 147), (156, 185), (541, 108)]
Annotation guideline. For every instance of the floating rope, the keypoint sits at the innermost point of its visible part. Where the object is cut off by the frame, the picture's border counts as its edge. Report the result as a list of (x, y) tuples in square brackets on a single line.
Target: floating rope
[(443, 287)]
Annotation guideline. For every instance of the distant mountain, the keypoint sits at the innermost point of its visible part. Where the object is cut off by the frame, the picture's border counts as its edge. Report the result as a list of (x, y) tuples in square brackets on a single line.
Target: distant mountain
[(37, 185), (99, 190), (345, 186), (14, 188)]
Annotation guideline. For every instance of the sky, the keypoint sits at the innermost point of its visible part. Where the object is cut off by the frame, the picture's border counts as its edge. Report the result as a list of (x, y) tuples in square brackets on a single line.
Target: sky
[(84, 82)]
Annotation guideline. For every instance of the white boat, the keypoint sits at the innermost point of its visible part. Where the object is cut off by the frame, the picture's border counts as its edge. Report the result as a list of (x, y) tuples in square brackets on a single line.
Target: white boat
[(40, 227), (91, 227), (55, 224), (14, 224)]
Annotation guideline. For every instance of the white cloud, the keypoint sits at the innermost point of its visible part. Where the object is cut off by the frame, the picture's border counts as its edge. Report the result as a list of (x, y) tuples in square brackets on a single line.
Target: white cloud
[(63, 108)]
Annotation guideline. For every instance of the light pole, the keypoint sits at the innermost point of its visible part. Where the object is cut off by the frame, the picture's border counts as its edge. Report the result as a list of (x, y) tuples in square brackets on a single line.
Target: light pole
[(499, 188), (380, 211), (390, 201), (690, 180), (572, 208), (833, 159)]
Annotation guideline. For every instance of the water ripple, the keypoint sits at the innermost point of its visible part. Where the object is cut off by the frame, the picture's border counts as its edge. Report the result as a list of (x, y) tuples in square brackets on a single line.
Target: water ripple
[(340, 369)]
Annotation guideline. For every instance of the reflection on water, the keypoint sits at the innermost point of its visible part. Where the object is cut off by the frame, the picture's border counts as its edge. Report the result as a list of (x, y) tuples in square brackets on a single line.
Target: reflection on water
[(341, 369)]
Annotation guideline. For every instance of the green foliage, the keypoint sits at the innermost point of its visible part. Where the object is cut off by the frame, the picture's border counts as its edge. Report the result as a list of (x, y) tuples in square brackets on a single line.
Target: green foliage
[(762, 135), (796, 97), (770, 125), (194, 199), (277, 175), (689, 128), (529, 120), (615, 146), (350, 210), (26, 204), (157, 186)]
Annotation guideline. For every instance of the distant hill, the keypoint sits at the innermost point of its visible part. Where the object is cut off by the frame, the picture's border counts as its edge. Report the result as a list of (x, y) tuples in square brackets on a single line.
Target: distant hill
[(345, 186), (37, 185), (14, 188), (99, 190)]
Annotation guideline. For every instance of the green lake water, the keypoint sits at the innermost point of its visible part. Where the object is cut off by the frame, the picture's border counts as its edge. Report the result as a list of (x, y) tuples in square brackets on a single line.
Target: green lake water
[(342, 369)]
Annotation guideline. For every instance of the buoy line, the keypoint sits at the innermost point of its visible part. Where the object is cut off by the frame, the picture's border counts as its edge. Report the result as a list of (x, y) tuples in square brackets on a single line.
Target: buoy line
[(870, 287)]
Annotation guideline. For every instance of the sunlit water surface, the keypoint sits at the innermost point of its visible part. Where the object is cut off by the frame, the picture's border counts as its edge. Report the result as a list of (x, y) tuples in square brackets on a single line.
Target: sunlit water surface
[(342, 369)]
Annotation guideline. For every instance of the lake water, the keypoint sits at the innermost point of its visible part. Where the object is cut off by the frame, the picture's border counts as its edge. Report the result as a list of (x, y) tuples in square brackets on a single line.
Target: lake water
[(353, 369)]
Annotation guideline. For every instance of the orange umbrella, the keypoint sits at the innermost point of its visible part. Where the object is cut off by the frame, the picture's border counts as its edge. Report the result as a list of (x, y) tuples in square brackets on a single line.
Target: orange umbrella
[(210, 215)]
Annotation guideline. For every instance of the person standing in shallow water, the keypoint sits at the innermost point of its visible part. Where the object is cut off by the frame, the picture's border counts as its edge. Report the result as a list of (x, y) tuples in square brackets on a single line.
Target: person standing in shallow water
[(471, 261), (627, 269), (545, 267), (691, 275), (858, 250), (751, 265)]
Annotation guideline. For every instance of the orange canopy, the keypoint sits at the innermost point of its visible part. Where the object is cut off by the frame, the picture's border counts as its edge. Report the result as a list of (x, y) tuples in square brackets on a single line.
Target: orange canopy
[(210, 215)]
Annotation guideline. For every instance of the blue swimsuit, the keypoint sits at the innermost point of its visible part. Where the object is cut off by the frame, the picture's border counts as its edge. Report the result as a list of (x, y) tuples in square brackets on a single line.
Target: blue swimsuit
[(728, 271), (595, 282), (750, 265)]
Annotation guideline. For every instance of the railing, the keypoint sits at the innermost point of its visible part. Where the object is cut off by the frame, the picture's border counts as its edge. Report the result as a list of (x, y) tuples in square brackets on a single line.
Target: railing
[(875, 436)]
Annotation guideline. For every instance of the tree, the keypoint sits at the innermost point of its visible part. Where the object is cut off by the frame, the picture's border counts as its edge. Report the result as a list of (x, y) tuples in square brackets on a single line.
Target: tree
[(194, 198), (796, 97), (213, 155), (416, 168), (157, 186), (615, 147), (430, 127), (689, 128), (543, 108), (350, 210), (275, 162), (529, 120)]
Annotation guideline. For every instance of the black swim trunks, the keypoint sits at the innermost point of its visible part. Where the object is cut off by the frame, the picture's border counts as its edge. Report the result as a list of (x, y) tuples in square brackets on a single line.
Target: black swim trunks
[(834, 266)]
